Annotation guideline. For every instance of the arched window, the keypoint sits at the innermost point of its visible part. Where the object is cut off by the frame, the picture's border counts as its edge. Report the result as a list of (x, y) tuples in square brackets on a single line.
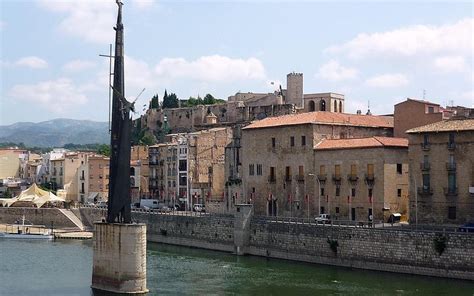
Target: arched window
[(132, 171), (323, 105), (340, 106), (311, 106), (335, 106)]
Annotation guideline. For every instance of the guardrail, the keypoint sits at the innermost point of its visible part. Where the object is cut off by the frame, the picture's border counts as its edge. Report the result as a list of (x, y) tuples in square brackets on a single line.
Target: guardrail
[(377, 225)]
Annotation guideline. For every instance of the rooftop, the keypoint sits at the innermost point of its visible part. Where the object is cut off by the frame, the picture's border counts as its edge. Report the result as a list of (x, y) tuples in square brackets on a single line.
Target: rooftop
[(322, 117), (418, 101), (373, 142), (445, 126)]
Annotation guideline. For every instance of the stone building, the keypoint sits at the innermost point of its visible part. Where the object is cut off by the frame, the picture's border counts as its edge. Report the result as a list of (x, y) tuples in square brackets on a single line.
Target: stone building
[(64, 174), (10, 162), (358, 178), (442, 166), (140, 164), (276, 149), (163, 177), (414, 113), (242, 108)]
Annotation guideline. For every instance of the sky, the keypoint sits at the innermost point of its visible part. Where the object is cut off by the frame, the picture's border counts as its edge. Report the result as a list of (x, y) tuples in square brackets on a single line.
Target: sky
[(373, 52)]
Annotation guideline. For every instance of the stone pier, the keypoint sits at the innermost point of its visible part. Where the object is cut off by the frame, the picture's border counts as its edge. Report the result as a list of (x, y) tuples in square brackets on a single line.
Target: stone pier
[(243, 217), (119, 260)]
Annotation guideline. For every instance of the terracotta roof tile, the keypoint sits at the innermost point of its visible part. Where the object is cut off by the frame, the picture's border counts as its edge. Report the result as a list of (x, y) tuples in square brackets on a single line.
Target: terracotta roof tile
[(445, 126), (321, 117), (373, 142)]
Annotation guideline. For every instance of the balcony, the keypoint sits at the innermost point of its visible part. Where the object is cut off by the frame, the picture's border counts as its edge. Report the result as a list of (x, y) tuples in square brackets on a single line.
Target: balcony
[(322, 177), (272, 179), (370, 179), (425, 146), (451, 166), (299, 178), (424, 190), (352, 177), (336, 178), (451, 146), (450, 191), (425, 166), (288, 178), (82, 178)]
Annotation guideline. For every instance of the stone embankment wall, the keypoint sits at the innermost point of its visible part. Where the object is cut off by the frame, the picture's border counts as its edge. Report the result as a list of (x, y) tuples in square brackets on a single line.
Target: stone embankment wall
[(367, 248), (43, 216)]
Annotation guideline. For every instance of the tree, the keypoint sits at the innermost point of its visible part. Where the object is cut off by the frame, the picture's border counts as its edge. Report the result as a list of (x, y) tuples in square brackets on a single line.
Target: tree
[(154, 102), (209, 100), (170, 101), (148, 140), (104, 149)]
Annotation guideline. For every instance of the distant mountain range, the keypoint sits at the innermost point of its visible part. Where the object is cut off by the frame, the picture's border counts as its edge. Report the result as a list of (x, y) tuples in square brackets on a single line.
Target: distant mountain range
[(55, 133)]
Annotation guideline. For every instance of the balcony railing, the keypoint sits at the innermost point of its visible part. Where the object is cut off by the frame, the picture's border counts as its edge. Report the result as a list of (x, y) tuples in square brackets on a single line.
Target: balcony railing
[(424, 190), (352, 177), (451, 145), (370, 179), (451, 166), (299, 178), (287, 178), (271, 179), (322, 177), (450, 191), (425, 146), (425, 166), (336, 177)]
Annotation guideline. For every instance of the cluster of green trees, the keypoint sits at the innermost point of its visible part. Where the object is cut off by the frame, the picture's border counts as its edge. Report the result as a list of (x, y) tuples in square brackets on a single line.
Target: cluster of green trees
[(172, 101)]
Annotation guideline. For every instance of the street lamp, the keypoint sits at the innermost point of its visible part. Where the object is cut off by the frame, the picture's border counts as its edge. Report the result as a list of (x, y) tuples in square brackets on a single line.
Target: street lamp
[(319, 193)]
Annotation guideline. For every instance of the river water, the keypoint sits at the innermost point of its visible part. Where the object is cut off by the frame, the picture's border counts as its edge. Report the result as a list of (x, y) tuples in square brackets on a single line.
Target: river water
[(65, 268)]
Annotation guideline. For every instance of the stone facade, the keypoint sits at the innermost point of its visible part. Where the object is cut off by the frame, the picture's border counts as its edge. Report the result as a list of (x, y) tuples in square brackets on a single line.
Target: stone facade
[(442, 167), (93, 179)]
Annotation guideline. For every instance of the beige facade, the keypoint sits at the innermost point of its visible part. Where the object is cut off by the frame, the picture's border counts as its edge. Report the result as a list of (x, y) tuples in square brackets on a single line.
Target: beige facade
[(163, 176), (442, 165), (139, 156), (10, 162)]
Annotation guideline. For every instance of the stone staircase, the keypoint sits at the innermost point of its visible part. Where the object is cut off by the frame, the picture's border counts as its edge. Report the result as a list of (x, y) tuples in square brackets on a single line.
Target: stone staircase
[(73, 218)]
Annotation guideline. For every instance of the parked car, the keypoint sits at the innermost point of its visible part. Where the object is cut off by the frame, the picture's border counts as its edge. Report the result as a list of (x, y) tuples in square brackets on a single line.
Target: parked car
[(102, 204), (199, 208), (323, 218), (468, 227)]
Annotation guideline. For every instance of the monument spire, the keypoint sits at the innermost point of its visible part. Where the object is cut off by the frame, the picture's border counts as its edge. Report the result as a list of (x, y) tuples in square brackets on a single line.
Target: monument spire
[(119, 176)]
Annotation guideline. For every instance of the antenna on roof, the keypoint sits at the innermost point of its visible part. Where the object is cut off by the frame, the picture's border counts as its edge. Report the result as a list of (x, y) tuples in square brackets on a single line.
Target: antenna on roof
[(424, 94), (368, 108)]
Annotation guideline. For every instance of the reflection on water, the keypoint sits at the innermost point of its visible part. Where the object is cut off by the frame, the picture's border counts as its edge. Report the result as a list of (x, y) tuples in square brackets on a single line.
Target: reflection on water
[(65, 268)]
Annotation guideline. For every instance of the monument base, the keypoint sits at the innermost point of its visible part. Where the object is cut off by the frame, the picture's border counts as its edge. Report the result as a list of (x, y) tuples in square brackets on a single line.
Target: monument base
[(119, 260)]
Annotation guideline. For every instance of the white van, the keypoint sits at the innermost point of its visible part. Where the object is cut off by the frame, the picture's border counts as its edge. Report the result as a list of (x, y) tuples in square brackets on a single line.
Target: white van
[(149, 204)]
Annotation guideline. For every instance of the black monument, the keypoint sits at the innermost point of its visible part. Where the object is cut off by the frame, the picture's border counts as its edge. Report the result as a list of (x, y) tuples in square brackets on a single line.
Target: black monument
[(119, 177)]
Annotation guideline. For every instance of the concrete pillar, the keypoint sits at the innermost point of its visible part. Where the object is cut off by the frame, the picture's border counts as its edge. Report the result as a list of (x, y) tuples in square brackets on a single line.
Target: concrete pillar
[(119, 260), (243, 216)]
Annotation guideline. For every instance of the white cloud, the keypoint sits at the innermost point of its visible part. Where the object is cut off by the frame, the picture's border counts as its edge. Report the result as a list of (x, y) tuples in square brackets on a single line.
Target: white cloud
[(78, 65), (414, 40), (333, 71), (56, 95), (90, 20), (212, 68), (32, 62), (387, 80), (143, 4), (450, 63)]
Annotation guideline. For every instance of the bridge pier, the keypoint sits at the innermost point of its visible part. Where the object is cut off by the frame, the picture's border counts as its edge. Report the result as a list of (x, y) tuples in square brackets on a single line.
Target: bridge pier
[(119, 259)]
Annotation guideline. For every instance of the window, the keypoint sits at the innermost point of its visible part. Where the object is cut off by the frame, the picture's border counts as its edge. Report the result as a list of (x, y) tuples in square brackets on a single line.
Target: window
[(370, 192), (273, 143), (426, 181), (452, 182), (322, 170), (451, 138), (337, 169), (322, 210), (288, 173), (452, 213), (338, 190), (251, 170), (259, 169), (292, 141), (311, 106), (340, 106), (399, 168), (353, 169), (430, 109), (335, 106), (399, 192), (322, 191), (323, 105), (272, 174), (353, 192), (303, 140), (426, 141), (182, 165), (337, 210), (301, 171)]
